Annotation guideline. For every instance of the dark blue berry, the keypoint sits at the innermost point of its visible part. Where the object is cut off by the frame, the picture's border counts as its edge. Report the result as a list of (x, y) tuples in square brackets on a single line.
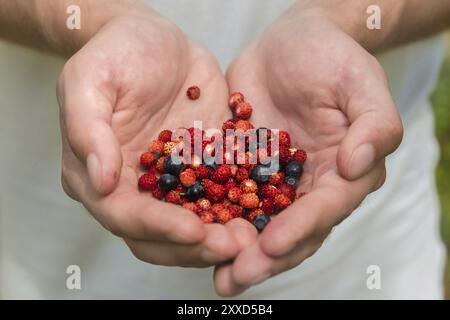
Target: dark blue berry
[(261, 221), (172, 166), (194, 192), (292, 181), (260, 174), (168, 182), (293, 169)]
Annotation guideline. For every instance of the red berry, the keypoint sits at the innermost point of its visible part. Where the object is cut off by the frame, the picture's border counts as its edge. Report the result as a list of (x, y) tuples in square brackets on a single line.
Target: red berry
[(276, 179), (148, 182), (222, 174), (268, 191), (192, 206), (249, 200), (165, 136), (235, 210), (157, 193), (230, 184), (202, 172), (300, 156), (267, 205), (234, 168), (284, 139), (224, 215), (215, 192), (288, 191), (235, 194), (204, 204), (229, 124), (147, 159), (156, 146), (188, 178), (174, 197), (235, 99), (207, 217), (252, 214), (249, 186), (216, 207), (193, 92), (243, 125), (243, 110), (160, 164), (282, 201), (169, 147), (241, 174), (284, 155)]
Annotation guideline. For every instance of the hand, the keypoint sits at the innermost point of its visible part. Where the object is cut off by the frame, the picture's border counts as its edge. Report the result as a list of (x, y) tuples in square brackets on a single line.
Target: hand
[(306, 76), (124, 86)]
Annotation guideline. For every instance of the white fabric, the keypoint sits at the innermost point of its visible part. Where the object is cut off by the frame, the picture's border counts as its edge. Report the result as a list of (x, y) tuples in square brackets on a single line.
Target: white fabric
[(42, 231)]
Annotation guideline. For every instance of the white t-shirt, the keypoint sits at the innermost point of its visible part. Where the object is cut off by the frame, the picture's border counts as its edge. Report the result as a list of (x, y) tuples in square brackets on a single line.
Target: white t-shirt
[(42, 231)]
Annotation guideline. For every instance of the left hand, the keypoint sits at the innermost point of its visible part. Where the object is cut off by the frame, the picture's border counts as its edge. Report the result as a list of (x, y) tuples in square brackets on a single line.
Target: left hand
[(308, 77)]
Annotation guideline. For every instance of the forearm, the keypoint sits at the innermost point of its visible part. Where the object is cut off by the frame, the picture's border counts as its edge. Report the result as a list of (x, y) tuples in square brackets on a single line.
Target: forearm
[(402, 21), (42, 23)]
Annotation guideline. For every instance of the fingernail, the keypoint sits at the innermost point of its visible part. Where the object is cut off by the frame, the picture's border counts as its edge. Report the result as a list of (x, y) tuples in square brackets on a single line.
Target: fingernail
[(209, 256), (361, 161), (261, 278), (94, 170)]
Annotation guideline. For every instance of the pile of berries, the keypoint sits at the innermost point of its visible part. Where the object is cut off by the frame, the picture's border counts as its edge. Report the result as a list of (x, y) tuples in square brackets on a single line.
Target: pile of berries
[(219, 192)]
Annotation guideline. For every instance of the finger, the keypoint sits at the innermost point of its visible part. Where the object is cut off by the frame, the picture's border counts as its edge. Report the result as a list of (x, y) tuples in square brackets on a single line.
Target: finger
[(375, 127), (86, 119), (224, 284), (315, 214), (243, 231)]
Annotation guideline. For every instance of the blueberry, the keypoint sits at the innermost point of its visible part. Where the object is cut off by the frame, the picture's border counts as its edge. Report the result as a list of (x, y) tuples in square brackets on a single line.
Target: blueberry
[(292, 181), (194, 192), (245, 213), (260, 174), (168, 182), (261, 221), (293, 169), (173, 167)]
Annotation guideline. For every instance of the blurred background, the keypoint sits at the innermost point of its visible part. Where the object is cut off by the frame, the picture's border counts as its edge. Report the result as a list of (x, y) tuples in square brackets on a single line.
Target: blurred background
[(441, 105)]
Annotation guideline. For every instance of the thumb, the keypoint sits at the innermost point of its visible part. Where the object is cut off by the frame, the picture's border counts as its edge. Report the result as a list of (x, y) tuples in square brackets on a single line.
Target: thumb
[(86, 122), (375, 131)]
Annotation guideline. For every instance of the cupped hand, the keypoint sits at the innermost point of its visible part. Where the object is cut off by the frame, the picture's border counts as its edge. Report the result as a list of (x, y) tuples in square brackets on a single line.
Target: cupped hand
[(124, 86), (308, 77)]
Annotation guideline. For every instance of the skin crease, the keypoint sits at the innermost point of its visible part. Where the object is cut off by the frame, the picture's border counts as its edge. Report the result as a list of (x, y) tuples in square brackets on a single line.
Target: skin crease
[(112, 109), (306, 76)]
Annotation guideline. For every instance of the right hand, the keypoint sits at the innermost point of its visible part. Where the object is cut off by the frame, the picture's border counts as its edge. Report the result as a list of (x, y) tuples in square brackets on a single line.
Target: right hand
[(115, 94)]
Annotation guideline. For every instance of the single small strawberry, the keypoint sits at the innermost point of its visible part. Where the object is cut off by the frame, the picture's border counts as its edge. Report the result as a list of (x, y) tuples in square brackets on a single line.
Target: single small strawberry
[(156, 146), (230, 184), (249, 186), (276, 179), (235, 99), (284, 155), (241, 174), (282, 201), (222, 174), (160, 164), (268, 191), (284, 139), (204, 204), (249, 200), (243, 125), (193, 92), (192, 206), (288, 191), (300, 156), (202, 172), (215, 192), (243, 110), (158, 193), (253, 213), (224, 215), (267, 205), (148, 182), (188, 178), (165, 136), (174, 197), (216, 207), (207, 183), (148, 158), (207, 216), (235, 194), (169, 147), (152, 170), (235, 210), (228, 125)]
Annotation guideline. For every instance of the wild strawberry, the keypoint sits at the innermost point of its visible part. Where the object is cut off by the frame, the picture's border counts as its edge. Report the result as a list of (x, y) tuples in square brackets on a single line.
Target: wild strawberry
[(249, 186), (235, 210), (192, 206), (241, 174), (243, 110), (284, 139), (268, 191), (288, 191), (174, 197), (235, 99), (222, 174), (207, 183), (235, 194), (193, 92), (224, 215), (300, 156), (207, 217), (253, 213), (202, 172), (152, 170), (165, 136), (188, 178), (243, 125), (226, 202), (230, 184), (169, 147), (276, 179), (204, 204), (249, 200), (160, 164), (215, 192), (228, 125), (157, 193), (282, 201), (148, 182), (216, 207), (284, 155), (156, 146), (267, 205), (147, 159)]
